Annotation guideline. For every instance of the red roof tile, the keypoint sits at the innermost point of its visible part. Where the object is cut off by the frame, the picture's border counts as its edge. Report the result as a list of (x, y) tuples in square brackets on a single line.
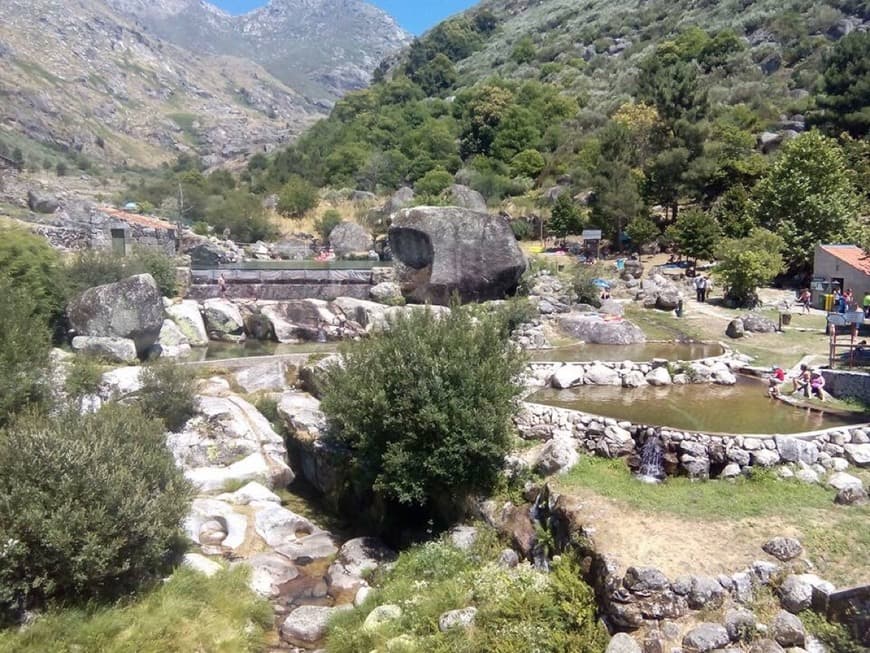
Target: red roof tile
[(851, 255), (135, 218)]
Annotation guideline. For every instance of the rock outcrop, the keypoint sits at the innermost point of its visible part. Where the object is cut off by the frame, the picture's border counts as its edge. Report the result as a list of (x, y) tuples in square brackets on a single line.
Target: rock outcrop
[(444, 250), (350, 238), (593, 328), (131, 308)]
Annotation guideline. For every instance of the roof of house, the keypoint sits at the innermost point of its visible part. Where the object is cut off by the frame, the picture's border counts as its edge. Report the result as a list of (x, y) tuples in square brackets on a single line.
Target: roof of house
[(851, 255), (135, 218)]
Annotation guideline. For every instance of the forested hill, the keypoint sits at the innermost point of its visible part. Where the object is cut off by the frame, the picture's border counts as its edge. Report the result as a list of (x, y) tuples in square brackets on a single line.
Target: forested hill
[(643, 103)]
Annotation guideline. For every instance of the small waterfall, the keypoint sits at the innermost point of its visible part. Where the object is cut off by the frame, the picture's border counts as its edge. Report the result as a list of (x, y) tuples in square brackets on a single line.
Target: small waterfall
[(540, 516), (651, 468)]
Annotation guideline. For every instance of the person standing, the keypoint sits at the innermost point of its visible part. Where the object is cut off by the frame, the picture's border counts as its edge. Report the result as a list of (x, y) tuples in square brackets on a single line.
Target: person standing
[(805, 299), (866, 303), (222, 284), (701, 288)]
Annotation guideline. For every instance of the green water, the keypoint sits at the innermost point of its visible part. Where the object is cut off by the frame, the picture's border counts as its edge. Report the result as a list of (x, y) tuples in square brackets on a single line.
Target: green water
[(741, 408), (224, 350), (647, 351)]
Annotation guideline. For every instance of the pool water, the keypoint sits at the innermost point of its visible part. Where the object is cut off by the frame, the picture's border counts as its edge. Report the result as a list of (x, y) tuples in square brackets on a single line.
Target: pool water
[(225, 350), (741, 408), (647, 351)]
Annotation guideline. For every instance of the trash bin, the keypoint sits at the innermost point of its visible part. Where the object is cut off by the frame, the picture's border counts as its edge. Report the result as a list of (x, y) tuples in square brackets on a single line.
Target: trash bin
[(785, 318), (829, 302)]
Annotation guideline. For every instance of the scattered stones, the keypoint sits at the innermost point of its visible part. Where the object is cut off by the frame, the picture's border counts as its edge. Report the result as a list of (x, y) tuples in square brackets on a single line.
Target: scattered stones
[(462, 618), (783, 548)]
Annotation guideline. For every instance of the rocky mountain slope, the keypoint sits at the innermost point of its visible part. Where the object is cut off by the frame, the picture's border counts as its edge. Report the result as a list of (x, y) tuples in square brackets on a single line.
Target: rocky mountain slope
[(136, 83), (321, 47)]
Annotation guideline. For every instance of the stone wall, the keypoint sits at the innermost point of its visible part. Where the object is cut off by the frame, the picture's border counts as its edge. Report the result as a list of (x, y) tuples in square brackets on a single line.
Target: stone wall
[(279, 285), (845, 384), (701, 455), (717, 369)]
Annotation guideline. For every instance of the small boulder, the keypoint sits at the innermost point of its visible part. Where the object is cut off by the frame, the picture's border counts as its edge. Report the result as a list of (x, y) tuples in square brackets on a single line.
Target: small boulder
[(842, 480), (623, 643), (705, 637), (41, 202), (851, 496), (645, 579), (735, 329), (783, 548), (223, 319), (462, 618), (189, 321), (557, 456), (381, 615), (858, 454), (463, 537), (659, 376), (756, 323), (740, 624), (567, 376), (306, 625), (349, 238), (388, 292), (114, 350), (787, 630), (796, 591)]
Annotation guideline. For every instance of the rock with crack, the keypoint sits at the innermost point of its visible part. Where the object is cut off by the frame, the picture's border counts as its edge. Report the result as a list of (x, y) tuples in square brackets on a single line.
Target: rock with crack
[(277, 525), (188, 319), (269, 572), (205, 514), (114, 350), (223, 320)]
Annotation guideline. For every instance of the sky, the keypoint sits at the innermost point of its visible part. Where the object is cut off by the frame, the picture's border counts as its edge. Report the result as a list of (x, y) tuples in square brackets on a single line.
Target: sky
[(416, 16)]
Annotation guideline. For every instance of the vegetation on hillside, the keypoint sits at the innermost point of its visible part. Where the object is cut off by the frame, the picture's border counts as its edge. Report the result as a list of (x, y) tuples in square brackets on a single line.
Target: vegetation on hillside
[(518, 609)]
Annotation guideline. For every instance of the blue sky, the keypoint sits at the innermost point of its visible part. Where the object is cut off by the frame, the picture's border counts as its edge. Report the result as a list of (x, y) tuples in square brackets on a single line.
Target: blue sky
[(414, 15)]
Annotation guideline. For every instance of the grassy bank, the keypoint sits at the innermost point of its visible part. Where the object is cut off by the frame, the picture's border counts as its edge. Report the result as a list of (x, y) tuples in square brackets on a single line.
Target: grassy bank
[(187, 613), (836, 537)]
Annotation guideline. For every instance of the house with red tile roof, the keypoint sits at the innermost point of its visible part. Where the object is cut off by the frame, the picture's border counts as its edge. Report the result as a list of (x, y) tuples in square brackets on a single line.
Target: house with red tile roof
[(840, 266)]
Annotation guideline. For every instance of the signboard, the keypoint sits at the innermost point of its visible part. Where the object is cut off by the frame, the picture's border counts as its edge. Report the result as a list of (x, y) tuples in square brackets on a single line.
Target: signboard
[(836, 319), (855, 317), (591, 234)]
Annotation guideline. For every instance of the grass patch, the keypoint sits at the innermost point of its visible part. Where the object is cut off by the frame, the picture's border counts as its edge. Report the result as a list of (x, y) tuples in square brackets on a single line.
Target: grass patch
[(664, 325), (836, 538), (759, 496), (519, 609), (188, 613)]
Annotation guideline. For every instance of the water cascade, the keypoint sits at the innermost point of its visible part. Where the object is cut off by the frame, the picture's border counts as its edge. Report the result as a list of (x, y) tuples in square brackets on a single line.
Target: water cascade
[(651, 468)]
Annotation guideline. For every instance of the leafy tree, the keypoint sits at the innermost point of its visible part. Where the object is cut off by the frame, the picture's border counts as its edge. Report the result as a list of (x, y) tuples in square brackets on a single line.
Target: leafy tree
[(807, 197), (243, 214), (528, 163), (326, 223), (97, 267), (60, 169), (697, 234), (436, 75), (90, 506), (25, 344), (844, 100), (566, 218), (673, 88), (433, 182), (425, 441), (746, 263), (296, 197), (642, 231), (615, 199), (735, 212), (664, 177)]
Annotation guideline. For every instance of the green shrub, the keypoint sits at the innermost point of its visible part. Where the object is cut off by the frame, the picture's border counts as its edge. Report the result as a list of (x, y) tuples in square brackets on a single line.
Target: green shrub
[(31, 265), (326, 223), (83, 377), (90, 506), (25, 344), (159, 265), (514, 312), (425, 410), (167, 393), (296, 197), (585, 290), (522, 229), (835, 636)]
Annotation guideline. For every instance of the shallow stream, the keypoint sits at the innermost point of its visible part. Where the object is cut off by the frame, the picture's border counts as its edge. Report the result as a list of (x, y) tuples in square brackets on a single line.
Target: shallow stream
[(685, 351)]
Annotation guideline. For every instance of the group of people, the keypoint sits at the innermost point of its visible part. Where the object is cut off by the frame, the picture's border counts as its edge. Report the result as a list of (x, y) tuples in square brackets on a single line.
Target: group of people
[(809, 383)]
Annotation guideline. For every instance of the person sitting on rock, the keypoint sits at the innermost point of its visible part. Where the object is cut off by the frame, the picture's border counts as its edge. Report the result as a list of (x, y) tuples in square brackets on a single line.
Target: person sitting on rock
[(802, 381), (817, 385), (775, 380)]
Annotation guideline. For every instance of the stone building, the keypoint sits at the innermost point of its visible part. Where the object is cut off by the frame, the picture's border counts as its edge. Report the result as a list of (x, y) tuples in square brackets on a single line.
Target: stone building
[(843, 266)]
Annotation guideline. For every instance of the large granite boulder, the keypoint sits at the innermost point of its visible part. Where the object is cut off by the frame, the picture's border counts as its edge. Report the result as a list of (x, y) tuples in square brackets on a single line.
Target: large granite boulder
[(348, 238), (189, 321), (402, 198), (131, 308), (223, 319), (442, 250), (209, 254), (466, 197), (592, 328), (41, 202), (758, 323), (301, 319)]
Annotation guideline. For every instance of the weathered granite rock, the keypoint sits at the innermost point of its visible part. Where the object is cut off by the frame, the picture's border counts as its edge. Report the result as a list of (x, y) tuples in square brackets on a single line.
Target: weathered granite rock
[(740, 624), (594, 329), (300, 320), (312, 375), (463, 537), (349, 238), (381, 615), (131, 308), (787, 630), (209, 254), (644, 579), (851, 496), (171, 343), (758, 323), (269, 376), (783, 548), (115, 350), (201, 564), (796, 591), (842, 480), (735, 329), (658, 376), (466, 197), (277, 525), (223, 319), (557, 456), (765, 646), (269, 571), (189, 320), (623, 643), (42, 202), (705, 637), (388, 292), (444, 250), (601, 375), (858, 454), (306, 625), (567, 376)]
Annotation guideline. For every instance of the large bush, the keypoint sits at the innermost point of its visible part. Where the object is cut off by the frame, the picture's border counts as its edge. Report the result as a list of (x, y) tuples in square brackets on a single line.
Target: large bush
[(24, 347), (425, 409), (90, 506), (32, 266), (746, 263)]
